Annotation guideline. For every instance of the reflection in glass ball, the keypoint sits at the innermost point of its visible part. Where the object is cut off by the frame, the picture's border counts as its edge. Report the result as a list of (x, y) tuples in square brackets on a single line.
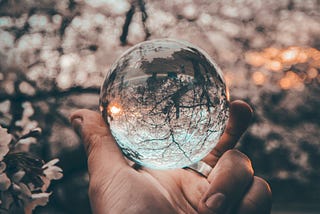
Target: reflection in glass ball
[(166, 103)]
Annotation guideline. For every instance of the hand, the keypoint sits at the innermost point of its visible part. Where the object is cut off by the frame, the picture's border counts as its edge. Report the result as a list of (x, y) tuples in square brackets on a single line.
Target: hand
[(117, 187)]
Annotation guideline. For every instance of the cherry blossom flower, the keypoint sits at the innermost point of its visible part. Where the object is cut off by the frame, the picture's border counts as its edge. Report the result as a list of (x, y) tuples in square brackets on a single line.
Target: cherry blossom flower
[(51, 171), (24, 179)]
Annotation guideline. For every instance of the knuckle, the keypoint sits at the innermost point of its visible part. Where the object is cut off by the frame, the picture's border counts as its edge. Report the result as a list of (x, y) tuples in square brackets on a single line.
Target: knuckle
[(237, 156), (241, 160), (90, 142), (264, 187)]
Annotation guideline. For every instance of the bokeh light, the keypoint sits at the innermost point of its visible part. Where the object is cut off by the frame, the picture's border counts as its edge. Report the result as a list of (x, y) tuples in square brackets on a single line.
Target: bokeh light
[(284, 60)]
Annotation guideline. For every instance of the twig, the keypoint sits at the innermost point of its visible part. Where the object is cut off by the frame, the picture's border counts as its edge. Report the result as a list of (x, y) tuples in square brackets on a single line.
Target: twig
[(125, 28)]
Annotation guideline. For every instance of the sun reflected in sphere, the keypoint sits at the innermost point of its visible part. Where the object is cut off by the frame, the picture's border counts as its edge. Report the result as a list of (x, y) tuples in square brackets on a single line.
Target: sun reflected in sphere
[(166, 103), (115, 109)]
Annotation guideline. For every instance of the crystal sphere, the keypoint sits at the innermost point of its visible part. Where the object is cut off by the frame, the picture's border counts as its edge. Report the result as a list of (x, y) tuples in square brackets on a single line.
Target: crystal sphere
[(166, 103)]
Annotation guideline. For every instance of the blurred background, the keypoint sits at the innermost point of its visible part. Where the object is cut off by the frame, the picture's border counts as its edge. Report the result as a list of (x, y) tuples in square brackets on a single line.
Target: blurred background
[(54, 56)]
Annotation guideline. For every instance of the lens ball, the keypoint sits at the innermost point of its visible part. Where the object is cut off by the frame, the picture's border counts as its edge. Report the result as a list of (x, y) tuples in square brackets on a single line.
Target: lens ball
[(166, 103)]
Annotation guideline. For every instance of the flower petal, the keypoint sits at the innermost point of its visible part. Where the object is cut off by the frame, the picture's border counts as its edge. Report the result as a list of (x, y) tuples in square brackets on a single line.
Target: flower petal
[(53, 173), (25, 190), (4, 149), (50, 163), (38, 199), (18, 176), (5, 139), (2, 166), (5, 136), (4, 182)]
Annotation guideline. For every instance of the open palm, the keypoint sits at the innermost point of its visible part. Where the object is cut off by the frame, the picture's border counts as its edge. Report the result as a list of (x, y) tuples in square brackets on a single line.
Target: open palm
[(118, 186)]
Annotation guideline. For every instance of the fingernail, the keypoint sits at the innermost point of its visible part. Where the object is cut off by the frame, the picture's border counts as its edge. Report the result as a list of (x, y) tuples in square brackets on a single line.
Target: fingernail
[(217, 203), (76, 124)]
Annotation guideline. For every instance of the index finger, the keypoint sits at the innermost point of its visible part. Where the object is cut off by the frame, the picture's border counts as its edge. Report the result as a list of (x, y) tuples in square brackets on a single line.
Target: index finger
[(240, 117), (104, 156)]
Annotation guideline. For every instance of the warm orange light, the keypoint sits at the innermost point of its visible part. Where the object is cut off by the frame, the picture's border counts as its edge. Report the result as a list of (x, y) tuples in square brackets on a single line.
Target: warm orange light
[(271, 52), (228, 78), (312, 73), (279, 60), (302, 57), (255, 59), (258, 78), (285, 83), (316, 60), (287, 56), (274, 65), (115, 109), (291, 80), (290, 55), (312, 52), (316, 56)]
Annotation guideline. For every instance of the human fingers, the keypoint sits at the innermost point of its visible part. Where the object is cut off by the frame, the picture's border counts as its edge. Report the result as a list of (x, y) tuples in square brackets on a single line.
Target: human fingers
[(258, 198), (104, 156), (229, 180), (240, 117)]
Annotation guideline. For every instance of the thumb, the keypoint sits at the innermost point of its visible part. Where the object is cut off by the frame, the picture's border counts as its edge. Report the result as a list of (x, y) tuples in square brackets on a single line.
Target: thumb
[(240, 117), (104, 155)]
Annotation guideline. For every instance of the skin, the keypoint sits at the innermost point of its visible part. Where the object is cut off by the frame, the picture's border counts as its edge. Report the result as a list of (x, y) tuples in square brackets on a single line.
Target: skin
[(118, 186)]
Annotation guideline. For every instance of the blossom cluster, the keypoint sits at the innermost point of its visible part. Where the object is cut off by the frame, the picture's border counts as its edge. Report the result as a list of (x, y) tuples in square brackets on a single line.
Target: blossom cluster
[(24, 178)]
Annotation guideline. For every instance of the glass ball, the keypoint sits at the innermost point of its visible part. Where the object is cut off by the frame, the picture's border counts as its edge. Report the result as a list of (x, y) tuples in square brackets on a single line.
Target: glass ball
[(166, 103)]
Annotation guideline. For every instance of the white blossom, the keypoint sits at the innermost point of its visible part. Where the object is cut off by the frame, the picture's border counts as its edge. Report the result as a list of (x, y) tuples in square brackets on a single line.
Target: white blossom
[(23, 145), (5, 139), (4, 182), (30, 195), (51, 171), (2, 166), (38, 199), (18, 176), (25, 190), (51, 163)]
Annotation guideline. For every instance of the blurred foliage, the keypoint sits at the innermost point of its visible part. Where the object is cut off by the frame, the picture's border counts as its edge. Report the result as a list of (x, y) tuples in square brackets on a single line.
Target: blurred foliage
[(55, 54)]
